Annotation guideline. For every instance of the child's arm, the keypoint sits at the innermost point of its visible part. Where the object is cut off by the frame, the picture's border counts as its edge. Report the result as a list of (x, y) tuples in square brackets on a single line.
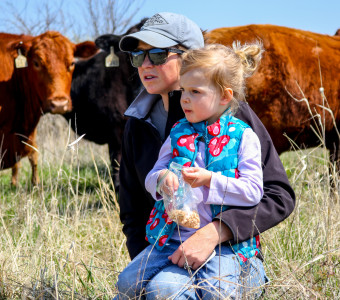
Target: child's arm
[(159, 168), (278, 201), (247, 190)]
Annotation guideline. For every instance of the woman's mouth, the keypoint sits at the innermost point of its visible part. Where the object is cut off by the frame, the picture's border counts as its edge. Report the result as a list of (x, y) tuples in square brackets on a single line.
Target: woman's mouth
[(149, 77)]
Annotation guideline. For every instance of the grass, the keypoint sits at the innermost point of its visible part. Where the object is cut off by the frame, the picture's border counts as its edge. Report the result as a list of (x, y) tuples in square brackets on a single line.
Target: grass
[(302, 253), (63, 239)]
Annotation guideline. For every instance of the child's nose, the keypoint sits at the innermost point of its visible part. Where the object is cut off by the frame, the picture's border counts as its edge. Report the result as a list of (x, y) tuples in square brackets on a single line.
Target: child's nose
[(185, 97)]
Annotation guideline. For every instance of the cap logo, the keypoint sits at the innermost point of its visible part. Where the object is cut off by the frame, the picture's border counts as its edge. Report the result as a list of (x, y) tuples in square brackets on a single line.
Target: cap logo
[(155, 20)]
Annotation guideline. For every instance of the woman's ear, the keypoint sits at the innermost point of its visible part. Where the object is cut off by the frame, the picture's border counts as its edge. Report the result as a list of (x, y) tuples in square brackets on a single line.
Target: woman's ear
[(227, 96)]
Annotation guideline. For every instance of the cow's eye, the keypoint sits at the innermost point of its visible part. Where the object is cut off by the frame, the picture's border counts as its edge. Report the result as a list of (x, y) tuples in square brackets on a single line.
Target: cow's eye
[(36, 64), (71, 66)]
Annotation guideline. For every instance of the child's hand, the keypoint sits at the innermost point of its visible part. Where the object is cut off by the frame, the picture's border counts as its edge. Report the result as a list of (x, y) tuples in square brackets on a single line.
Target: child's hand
[(196, 176), (169, 184)]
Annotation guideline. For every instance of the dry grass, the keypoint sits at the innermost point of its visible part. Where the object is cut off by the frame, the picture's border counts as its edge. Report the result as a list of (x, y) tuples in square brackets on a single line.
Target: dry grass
[(63, 239), (303, 253)]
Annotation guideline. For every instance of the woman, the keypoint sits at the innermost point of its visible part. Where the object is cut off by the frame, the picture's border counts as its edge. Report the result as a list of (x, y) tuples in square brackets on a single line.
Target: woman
[(155, 52)]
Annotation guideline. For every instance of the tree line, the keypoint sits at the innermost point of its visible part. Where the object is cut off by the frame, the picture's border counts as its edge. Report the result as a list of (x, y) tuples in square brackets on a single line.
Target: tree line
[(77, 19)]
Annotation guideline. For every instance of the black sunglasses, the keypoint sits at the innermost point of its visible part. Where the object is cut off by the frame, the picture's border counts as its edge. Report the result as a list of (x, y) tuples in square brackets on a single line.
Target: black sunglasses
[(156, 56)]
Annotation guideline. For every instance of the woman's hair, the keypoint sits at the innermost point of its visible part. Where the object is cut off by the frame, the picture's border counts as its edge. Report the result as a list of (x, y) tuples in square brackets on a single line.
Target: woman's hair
[(226, 67), (180, 47)]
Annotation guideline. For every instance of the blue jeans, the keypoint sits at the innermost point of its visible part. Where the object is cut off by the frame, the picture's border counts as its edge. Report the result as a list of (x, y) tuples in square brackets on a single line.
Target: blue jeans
[(150, 275)]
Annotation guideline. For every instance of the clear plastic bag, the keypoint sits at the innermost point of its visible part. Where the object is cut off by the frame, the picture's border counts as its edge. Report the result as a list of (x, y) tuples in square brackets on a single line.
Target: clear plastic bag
[(181, 205)]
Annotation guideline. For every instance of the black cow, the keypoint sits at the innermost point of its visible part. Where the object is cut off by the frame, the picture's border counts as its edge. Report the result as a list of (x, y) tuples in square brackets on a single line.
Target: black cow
[(100, 95)]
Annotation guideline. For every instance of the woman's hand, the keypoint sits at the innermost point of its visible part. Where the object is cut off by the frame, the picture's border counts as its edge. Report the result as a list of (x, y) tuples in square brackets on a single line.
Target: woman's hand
[(196, 176), (197, 248), (169, 184)]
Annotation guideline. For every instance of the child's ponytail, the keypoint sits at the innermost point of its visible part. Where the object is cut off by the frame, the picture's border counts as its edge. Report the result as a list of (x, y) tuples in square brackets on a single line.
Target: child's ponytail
[(250, 56)]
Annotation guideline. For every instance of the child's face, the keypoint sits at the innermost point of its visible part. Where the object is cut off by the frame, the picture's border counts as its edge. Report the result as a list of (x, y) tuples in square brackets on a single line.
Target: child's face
[(201, 100)]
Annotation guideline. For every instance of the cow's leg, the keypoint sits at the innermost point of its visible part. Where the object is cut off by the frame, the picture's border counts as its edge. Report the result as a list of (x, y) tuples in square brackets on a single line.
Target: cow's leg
[(15, 171), (115, 156), (333, 145), (33, 159)]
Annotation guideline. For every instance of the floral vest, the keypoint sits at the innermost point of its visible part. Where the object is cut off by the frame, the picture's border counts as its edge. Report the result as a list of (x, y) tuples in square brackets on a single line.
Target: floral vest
[(222, 141)]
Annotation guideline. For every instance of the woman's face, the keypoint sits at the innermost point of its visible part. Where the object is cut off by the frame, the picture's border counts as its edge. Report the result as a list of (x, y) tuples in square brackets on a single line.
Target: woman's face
[(160, 79)]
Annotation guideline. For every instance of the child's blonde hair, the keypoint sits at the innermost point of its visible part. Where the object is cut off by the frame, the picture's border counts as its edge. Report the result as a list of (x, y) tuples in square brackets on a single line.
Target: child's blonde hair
[(226, 67)]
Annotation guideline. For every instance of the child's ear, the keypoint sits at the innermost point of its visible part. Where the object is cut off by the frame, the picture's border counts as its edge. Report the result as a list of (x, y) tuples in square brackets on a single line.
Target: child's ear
[(227, 96)]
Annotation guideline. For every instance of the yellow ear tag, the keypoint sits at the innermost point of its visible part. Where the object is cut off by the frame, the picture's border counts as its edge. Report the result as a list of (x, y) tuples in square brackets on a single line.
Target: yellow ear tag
[(112, 60), (20, 61)]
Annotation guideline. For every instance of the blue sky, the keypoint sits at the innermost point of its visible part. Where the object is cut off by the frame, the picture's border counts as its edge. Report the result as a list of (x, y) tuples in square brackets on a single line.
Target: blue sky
[(312, 15)]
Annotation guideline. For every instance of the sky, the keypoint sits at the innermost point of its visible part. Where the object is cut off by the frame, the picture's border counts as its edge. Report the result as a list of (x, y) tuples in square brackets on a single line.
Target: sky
[(312, 15)]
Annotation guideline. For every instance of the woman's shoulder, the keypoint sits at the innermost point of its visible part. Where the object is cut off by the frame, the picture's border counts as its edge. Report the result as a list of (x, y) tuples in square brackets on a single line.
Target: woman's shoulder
[(247, 115), (135, 126)]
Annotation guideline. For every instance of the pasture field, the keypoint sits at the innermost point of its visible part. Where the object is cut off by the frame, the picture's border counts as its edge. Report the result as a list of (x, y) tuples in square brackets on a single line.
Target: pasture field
[(63, 238)]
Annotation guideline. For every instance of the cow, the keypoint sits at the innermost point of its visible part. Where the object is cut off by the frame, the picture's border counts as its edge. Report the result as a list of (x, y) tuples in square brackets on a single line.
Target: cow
[(100, 95), (291, 62), (297, 64), (35, 78)]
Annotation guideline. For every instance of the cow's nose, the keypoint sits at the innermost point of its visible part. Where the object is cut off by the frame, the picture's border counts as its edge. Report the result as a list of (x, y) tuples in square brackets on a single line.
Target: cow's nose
[(59, 105)]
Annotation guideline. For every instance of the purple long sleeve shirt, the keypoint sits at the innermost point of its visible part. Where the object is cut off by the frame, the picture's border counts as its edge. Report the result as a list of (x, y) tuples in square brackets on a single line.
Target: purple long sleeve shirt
[(247, 190)]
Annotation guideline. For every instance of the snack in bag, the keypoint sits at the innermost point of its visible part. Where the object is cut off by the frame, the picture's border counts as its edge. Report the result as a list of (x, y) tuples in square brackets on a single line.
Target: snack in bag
[(181, 205)]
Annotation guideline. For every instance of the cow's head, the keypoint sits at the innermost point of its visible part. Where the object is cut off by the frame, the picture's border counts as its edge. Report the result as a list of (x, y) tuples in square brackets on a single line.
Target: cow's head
[(51, 58), (105, 41)]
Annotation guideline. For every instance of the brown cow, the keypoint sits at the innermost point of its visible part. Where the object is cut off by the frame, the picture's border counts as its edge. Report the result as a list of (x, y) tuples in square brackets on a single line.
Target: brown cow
[(291, 61), (37, 82)]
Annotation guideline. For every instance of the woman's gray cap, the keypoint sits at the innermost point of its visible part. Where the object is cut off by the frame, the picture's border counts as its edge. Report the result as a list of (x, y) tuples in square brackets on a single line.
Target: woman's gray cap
[(165, 30)]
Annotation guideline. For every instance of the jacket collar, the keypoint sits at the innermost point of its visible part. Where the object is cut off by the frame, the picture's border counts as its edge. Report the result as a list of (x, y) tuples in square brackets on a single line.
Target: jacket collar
[(142, 105), (140, 108)]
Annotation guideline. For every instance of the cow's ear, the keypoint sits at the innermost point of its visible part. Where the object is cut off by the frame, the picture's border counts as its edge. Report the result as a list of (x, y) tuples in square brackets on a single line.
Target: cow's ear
[(23, 46), (106, 41), (85, 49)]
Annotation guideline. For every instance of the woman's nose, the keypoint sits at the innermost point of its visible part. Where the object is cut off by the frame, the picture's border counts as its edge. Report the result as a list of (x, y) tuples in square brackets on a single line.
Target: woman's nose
[(146, 62)]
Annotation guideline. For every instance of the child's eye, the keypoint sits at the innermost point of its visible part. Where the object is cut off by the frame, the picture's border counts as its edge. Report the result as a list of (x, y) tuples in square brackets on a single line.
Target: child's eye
[(195, 92)]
